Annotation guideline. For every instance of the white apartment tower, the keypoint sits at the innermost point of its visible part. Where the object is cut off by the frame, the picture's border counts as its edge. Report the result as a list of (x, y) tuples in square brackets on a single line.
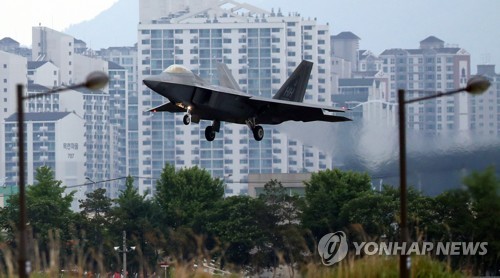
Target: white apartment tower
[(54, 139), (432, 67), (261, 49), (91, 106), (54, 46), (485, 108), (126, 57), (12, 72)]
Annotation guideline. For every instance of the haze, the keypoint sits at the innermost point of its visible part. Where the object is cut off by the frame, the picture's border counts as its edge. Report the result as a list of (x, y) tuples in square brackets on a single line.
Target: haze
[(473, 25)]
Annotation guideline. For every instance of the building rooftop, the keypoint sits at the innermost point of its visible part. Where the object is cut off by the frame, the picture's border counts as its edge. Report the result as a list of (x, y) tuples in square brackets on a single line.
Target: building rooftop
[(419, 51), (36, 64), (113, 65), (431, 39), (8, 40), (353, 82), (39, 116), (346, 36), (33, 87)]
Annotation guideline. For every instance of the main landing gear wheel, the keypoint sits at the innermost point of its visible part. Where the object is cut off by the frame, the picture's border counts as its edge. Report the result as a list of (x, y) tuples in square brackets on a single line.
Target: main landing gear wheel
[(209, 133), (258, 133), (187, 119)]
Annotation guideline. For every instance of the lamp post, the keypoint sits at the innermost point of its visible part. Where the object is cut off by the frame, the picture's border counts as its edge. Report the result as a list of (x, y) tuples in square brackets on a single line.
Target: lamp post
[(95, 80), (475, 85), (93, 182), (124, 251)]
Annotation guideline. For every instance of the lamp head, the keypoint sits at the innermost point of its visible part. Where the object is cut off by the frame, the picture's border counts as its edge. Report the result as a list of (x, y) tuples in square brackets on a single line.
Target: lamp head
[(477, 85), (96, 80)]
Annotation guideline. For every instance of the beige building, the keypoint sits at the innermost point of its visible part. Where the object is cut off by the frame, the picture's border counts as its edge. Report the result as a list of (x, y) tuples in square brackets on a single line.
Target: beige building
[(293, 183)]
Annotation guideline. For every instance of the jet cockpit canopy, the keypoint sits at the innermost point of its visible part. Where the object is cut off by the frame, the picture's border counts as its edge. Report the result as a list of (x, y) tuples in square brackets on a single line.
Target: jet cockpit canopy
[(177, 69)]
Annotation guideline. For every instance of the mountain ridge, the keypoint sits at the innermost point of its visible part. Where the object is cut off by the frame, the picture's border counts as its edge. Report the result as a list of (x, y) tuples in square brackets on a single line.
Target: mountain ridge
[(115, 26)]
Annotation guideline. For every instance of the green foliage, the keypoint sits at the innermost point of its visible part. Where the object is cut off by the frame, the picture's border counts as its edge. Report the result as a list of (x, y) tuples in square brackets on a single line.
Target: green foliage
[(242, 225), (135, 214), (326, 194), (186, 196), (484, 189), (48, 208), (374, 211), (187, 218)]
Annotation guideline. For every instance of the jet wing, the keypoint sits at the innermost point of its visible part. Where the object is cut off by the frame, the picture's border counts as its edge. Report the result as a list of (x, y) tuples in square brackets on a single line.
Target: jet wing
[(167, 107), (274, 111)]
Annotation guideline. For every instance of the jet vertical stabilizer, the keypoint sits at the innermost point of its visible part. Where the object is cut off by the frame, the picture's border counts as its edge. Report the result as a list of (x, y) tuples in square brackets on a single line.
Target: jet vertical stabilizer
[(226, 79), (295, 86)]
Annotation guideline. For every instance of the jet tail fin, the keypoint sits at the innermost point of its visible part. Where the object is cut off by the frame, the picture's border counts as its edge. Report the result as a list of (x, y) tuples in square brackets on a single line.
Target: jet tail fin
[(226, 79), (295, 86)]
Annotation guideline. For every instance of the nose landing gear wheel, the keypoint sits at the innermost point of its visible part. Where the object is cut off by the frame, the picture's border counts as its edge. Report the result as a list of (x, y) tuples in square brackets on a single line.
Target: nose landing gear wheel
[(186, 120), (258, 133), (209, 133)]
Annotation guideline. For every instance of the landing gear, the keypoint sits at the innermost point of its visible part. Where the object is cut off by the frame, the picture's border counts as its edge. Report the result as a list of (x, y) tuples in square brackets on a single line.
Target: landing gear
[(187, 119), (258, 133), (257, 130), (209, 133), (211, 130)]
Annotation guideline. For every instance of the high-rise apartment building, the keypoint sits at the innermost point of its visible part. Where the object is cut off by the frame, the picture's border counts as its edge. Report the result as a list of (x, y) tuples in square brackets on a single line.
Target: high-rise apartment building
[(345, 45), (118, 104), (485, 108), (53, 139), (261, 49), (126, 57), (104, 111), (12, 72), (432, 67)]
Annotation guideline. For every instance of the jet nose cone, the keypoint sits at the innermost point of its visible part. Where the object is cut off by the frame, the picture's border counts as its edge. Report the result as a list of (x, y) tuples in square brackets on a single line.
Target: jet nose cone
[(151, 83)]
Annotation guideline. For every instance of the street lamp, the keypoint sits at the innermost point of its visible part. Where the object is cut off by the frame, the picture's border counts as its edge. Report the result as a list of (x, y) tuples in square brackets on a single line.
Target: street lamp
[(95, 80), (475, 85), (93, 182), (124, 250)]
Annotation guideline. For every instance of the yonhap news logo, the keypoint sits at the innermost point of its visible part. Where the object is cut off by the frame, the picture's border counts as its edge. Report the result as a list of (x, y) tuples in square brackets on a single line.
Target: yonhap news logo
[(333, 248)]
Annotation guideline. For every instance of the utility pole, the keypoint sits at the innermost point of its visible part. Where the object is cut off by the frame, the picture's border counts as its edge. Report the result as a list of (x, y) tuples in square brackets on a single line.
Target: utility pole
[(124, 253)]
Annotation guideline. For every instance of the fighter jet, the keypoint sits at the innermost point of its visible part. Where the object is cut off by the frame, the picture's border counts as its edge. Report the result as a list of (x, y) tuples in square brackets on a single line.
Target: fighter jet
[(200, 100)]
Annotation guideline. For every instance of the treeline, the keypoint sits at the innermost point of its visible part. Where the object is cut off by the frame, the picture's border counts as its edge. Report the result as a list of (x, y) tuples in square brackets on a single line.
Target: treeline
[(188, 220)]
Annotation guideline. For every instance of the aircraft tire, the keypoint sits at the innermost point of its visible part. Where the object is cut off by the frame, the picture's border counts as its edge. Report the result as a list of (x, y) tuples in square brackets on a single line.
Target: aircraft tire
[(209, 133), (186, 120), (258, 133)]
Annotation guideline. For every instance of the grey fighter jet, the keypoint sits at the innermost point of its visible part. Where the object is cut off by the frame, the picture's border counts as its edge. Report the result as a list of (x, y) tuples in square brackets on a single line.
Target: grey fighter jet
[(200, 100)]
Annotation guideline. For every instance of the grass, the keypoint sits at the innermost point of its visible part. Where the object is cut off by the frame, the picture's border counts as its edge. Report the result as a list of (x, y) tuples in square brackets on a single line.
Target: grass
[(380, 266), (367, 266)]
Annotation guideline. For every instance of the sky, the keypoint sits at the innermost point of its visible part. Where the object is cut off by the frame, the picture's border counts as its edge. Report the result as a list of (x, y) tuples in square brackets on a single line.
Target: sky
[(472, 25), (18, 16)]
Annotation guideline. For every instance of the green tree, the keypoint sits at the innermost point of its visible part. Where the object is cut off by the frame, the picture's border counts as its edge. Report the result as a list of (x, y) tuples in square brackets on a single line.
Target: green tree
[(186, 196), (95, 219), (484, 189), (243, 227), (326, 194), (371, 214), (48, 210), (287, 233), (135, 215)]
